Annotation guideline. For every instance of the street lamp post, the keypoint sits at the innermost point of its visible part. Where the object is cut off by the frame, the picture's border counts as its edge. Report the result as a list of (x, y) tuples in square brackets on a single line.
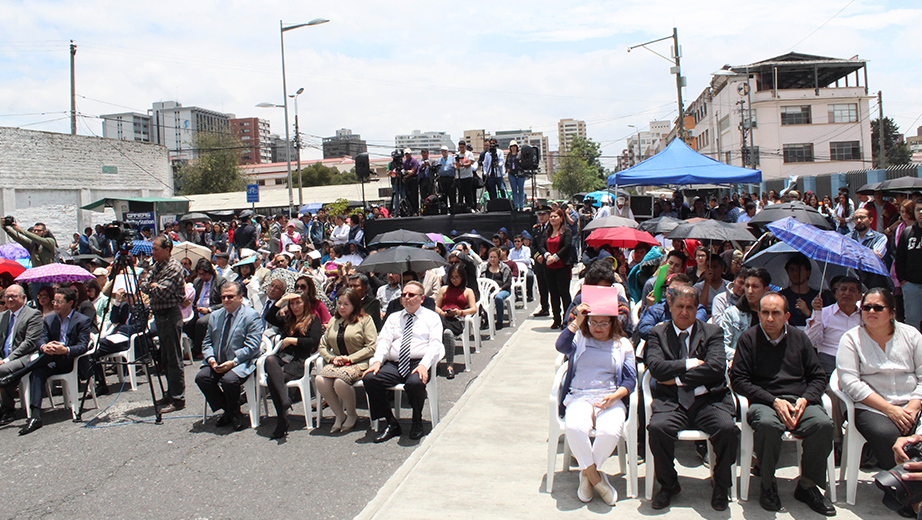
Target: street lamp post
[(298, 144), (282, 30)]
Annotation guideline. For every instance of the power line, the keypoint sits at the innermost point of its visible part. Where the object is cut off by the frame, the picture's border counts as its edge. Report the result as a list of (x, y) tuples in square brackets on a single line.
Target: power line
[(821, 26)]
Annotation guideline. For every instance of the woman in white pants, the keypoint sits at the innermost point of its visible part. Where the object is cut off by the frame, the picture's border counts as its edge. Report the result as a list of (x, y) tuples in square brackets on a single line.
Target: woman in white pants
[(600, 375)]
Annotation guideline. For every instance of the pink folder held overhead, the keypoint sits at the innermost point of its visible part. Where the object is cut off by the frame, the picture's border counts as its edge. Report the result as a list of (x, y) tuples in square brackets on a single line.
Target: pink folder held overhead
[(602, 301)]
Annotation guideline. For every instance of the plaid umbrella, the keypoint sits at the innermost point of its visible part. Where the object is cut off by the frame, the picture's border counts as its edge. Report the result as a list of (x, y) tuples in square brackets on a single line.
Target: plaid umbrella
[(13, 251), (619, 237), (827, 246), (141, 247), (55, 273)]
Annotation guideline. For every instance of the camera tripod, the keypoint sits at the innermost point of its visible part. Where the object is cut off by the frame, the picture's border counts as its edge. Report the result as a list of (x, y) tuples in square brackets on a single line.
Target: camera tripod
[(143, 344)]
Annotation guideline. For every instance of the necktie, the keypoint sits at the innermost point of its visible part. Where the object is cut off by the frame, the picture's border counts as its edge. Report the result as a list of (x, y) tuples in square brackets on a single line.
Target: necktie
[(9, 336), (227, 331), (403, 360), (686, 395)]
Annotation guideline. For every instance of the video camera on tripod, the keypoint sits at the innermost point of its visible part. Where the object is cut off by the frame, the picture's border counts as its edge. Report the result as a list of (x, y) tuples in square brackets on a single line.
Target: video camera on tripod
[(121, 233)]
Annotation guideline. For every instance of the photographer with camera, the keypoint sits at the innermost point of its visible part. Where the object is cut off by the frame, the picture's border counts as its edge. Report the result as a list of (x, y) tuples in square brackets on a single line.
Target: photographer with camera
[(901, 485), (411, 180), (516, 176), (446, 177), (395, 172), (493, 170), (39, 243), (427, 173), (464, 166)]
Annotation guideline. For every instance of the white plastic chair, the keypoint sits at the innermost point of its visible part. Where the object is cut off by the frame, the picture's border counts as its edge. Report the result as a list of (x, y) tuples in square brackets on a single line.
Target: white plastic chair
[(746, 448), (519, 291), (488, 291), (627, 444), (251, 387), (472, 327), (852, 444), (127, 357), (186, 341), (304, 385), (70, 384), (684, 435), (432, 389)]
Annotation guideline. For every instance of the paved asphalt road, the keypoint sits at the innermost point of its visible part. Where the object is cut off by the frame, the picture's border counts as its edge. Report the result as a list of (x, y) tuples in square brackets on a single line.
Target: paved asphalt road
[(185, 468)]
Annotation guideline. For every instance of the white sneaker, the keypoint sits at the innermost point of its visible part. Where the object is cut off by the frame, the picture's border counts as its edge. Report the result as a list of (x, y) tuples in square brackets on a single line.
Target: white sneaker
[(606, 492), (584, 491)]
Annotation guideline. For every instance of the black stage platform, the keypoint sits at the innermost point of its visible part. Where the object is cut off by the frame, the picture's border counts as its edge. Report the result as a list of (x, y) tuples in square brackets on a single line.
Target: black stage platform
[(485, 224)]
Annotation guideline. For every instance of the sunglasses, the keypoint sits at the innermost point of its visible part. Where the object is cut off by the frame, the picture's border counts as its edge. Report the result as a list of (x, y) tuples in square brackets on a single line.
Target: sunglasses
[(875, 308), (409, 295), (301, 286)]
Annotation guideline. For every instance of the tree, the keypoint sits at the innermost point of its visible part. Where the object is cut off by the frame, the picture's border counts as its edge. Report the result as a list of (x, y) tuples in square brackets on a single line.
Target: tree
[(217, 168), (896, 151), (318, 174), (580, 169)]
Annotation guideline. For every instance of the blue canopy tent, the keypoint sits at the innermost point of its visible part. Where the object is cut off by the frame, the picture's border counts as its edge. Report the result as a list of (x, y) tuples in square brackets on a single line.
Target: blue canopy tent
[(679, 165)]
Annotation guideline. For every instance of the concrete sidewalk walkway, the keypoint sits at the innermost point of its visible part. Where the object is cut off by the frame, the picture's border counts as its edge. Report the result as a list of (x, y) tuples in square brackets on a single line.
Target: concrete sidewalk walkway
[(487, 458)]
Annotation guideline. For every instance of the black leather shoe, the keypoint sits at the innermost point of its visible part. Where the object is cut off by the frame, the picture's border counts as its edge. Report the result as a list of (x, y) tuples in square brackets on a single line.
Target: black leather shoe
[(416, 431), (102, 390), (242, 422), (815, 499), (281, 429), (907, 512), (390, 431), (7, 417), (541, 314), (450, 372), (31, 426), (720, 498), (226, 419), (664, 496), (555, 325), (769, 499)]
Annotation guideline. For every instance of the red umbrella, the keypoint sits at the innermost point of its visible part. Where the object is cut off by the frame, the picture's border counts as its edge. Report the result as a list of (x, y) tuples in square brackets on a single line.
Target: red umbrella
[(9, 266), (620, 237)]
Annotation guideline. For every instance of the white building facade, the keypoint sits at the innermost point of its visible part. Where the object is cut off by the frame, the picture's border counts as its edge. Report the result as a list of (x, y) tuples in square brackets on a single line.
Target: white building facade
[(432, 141)]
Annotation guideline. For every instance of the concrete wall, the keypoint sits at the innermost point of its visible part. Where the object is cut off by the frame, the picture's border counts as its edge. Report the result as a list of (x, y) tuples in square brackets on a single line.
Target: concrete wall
[(46, 177)]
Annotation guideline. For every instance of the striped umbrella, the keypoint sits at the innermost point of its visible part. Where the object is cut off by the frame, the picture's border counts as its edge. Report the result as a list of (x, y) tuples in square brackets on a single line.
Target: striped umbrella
[(827, 246), (55, 273)]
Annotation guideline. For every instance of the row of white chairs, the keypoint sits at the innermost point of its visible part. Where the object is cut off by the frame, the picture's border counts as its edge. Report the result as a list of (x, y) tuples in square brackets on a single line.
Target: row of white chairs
[(628, 442)]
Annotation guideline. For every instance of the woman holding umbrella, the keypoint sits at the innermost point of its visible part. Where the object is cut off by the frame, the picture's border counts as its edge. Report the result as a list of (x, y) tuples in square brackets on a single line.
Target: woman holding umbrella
[(556, 250)]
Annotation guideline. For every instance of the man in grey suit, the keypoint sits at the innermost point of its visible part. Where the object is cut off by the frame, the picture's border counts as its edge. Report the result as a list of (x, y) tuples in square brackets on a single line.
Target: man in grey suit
[(20, 329), (231, 347), (208, 288)]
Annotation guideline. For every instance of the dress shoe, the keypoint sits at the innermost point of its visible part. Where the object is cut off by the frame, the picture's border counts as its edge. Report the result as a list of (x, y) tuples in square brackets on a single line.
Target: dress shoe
[(450, 372), (584, 491), (7, 417), (769, 499), (31, 426), (815, 499), (907, 512), (541, 314), (606, 492), (664, 496), (338, 424), (242, 423), (416, 431), (720, 498), (390, 431), (556, 324), (165, 400), (102, 390), (349, 423), (226, 419), (174, 406), (281, 428)]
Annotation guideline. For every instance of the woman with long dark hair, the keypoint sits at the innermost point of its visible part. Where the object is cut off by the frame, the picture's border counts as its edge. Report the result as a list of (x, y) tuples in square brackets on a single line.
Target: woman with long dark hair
[(557, 251), (300, 331), (499, 272), (44, 300), (454, 301), (346, 347)]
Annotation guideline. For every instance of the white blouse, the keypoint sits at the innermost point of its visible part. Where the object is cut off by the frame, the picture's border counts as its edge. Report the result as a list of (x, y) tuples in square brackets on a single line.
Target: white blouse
[(894, 373)]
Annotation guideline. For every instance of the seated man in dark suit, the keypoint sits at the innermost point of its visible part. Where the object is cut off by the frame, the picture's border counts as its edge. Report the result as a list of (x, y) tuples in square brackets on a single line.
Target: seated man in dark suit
[(686, 358), (778, 370), (208, 287), (659, 312), (231, 347), (20, 330), (409, 343), (65, 336)]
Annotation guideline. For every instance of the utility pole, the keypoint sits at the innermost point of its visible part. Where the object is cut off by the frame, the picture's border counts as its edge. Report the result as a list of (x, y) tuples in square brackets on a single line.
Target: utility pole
[(679, 82), (743, 157), (73, 91), (881, 156), (298, 148)]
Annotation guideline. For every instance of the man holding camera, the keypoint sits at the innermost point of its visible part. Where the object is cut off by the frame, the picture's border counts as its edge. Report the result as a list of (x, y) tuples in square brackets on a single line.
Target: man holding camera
[(411, 180), (464, 165), (493, 170), (446, 177), (39, 242)]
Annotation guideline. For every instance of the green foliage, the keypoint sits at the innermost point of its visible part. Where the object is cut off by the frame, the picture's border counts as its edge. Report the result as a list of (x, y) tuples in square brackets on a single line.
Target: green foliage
[(217, 169), (337, 208), (318, 174), (580, 169), (897, 153)]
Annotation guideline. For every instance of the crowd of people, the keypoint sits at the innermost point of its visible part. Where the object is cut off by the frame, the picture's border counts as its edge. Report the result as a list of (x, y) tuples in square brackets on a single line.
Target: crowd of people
[(699, 323)]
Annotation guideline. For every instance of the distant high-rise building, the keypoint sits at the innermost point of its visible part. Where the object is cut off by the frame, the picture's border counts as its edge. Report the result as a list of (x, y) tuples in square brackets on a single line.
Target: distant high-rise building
[(253, 133), (277, 145), (475, 139), (432, 141), (175, 127), (343, 144), (127, 126), (644, 144), (567, 129)]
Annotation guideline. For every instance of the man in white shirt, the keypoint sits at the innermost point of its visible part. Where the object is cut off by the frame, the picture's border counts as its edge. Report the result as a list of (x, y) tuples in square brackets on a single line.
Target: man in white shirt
[(340, 233), (826, 325), (521, 255), (623, 209), (408, 345), (389, 291), (604, 211)]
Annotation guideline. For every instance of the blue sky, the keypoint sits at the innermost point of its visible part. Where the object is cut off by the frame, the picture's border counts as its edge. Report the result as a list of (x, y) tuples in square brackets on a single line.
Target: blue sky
[(383, 68)]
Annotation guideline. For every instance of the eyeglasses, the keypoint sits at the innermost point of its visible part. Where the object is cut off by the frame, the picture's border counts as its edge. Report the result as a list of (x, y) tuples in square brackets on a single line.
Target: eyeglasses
[(875, 308), (228, 296), (301, 286), (599, 324), (409, 295)]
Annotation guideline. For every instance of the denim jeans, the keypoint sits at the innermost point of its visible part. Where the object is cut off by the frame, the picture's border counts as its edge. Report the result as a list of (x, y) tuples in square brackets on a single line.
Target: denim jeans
[(493, 183), (500, 301), (912, 302), (517, 184)]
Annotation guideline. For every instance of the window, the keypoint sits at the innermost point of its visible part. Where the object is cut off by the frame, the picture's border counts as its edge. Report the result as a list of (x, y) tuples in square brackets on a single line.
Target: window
[(744, 118), (845, 150), (724, 124), (798, 153), (795, 115), (843, 113)]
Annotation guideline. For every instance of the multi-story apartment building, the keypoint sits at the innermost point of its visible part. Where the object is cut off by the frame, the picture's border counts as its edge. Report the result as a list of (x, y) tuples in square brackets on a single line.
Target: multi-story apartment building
[(343, 144), (432, 141), (253, 133), (567, 129)]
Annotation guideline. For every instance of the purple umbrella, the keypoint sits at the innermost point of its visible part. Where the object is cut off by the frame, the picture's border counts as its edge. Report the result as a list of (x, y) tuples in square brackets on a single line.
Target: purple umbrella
[(13, 251), (55, 273)]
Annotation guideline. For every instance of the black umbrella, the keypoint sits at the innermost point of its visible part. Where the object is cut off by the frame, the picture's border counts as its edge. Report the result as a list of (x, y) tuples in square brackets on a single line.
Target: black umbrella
[(195, 217), (613, 221), (223, 216), (246, 213), (660, 225), (870, 188), (798, 210), (901, 184), (400, 259), (399, 237), (473, 239), (98, 260), (712, 230)]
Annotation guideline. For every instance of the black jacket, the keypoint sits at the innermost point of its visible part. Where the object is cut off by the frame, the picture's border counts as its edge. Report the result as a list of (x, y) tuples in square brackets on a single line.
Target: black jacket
[(565, 254), (909, 255)]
